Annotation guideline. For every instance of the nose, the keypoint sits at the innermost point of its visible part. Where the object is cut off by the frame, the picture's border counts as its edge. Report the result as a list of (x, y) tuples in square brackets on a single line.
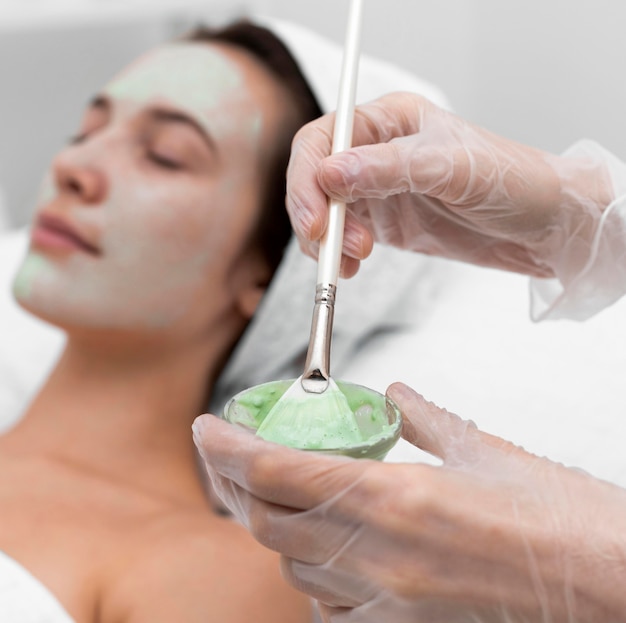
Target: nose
[(75, 175)]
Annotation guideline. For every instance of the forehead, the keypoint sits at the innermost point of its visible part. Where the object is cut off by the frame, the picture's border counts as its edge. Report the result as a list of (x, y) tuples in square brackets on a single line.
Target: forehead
[(197, 72), (196, 77)]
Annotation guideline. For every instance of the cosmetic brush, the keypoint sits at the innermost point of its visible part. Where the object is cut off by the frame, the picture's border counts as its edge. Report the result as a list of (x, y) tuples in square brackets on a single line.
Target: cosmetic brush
[(313, 408)]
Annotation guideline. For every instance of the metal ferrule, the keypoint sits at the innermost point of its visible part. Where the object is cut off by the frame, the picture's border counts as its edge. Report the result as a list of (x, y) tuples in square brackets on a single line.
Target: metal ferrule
[(317, 366)]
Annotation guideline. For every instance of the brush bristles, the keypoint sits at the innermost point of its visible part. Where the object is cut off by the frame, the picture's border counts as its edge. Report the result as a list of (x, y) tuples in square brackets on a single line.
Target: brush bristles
[(311, 421)]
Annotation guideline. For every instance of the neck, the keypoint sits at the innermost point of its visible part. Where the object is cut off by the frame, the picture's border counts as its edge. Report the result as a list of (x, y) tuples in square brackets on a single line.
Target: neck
[(120, 414)]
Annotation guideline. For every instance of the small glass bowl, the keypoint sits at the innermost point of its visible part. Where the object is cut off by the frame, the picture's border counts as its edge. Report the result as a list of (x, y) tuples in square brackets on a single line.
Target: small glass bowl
[(378, 418)]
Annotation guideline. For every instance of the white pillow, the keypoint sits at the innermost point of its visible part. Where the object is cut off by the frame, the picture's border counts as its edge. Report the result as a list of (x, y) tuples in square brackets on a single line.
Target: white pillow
[(555, 388)]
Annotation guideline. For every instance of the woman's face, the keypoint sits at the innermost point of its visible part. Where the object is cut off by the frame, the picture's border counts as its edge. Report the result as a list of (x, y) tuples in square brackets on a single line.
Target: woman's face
[(144, 218)]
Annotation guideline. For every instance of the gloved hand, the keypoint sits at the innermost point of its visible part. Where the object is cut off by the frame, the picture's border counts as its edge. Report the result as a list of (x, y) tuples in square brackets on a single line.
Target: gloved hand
[(424, 179), (494, 534)]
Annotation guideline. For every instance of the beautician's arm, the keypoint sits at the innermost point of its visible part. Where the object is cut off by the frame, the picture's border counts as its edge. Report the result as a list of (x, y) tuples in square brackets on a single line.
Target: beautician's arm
[(424, 179), (493, 534)]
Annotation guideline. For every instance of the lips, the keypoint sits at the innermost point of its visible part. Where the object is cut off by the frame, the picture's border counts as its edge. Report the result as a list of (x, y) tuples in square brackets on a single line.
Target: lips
[(52, 232)]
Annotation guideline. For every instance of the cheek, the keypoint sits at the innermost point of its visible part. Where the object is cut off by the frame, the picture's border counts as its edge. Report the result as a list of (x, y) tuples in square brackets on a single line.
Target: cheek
[(167, 248), (180, 225), (181, 236)]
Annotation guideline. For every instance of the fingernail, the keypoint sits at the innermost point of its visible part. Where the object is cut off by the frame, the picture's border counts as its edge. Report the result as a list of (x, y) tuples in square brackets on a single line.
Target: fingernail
[(316, 227), (307, 222), (347, 164), (400, 391), (338, 173), (197, 429)]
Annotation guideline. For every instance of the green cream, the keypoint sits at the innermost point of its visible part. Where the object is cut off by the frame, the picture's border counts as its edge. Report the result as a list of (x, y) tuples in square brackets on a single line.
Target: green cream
[(160, 72), (209, 82), (345, 417), (34, 265), (311, 421)]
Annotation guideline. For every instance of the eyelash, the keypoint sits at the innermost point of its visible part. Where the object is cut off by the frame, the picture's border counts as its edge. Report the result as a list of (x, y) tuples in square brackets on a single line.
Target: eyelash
[(166, 163)]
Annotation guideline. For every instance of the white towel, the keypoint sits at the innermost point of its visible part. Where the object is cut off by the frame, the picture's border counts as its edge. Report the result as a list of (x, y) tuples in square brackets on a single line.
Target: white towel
[(24, 599)]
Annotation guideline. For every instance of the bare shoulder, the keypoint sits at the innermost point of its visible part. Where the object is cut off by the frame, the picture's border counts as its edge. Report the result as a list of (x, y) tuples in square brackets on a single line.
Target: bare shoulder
[(202, 568)]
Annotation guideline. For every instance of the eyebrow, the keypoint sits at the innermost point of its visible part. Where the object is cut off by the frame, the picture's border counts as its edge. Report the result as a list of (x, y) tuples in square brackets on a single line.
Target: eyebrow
[(166, 115), (175, 116), (100, 102)]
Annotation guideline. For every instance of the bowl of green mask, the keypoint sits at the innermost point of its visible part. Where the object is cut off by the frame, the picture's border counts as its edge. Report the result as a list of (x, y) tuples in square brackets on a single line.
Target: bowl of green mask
[(347, 419)]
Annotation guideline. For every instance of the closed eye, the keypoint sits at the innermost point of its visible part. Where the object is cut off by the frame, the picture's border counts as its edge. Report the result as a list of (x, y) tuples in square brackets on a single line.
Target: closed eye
[(164, 162)]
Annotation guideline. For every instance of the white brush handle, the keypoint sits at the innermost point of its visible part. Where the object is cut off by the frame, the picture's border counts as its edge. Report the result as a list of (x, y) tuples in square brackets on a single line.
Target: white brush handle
[(316, 376), (332, 242)]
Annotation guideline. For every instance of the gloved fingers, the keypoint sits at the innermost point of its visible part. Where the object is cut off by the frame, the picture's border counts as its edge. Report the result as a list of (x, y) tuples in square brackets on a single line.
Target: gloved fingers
[(379, 121), (372, 171), (328, 583), (402, 143), (423, 224), (391, 116), (224, 447), (309, 218), (363, 614), (349, 265), (428, 427), (306, 202), (357, 238), (330, 614), (388, 609), (444, 434), (313, 536), (379, 171), (233, 497), (272, 472), (449, 160), (345, 532)]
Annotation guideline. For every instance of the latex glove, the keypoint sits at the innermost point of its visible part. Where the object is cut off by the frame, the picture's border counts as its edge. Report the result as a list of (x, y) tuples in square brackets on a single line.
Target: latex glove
[(424, 179), (494, 534)]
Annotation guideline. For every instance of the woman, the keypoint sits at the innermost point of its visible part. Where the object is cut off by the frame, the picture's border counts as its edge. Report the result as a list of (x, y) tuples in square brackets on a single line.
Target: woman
[(154, 240)]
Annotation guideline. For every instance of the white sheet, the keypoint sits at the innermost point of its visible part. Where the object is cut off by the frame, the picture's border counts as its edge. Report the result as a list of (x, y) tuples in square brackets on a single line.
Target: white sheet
[(555, 388), (24, 599)]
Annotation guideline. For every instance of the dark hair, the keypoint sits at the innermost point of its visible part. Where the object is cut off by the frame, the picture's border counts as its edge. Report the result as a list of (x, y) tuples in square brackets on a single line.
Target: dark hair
[(274, 229)]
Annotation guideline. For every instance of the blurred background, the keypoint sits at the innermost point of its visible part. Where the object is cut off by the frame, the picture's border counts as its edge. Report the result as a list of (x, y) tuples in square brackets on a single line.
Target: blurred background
[(540, 72)]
